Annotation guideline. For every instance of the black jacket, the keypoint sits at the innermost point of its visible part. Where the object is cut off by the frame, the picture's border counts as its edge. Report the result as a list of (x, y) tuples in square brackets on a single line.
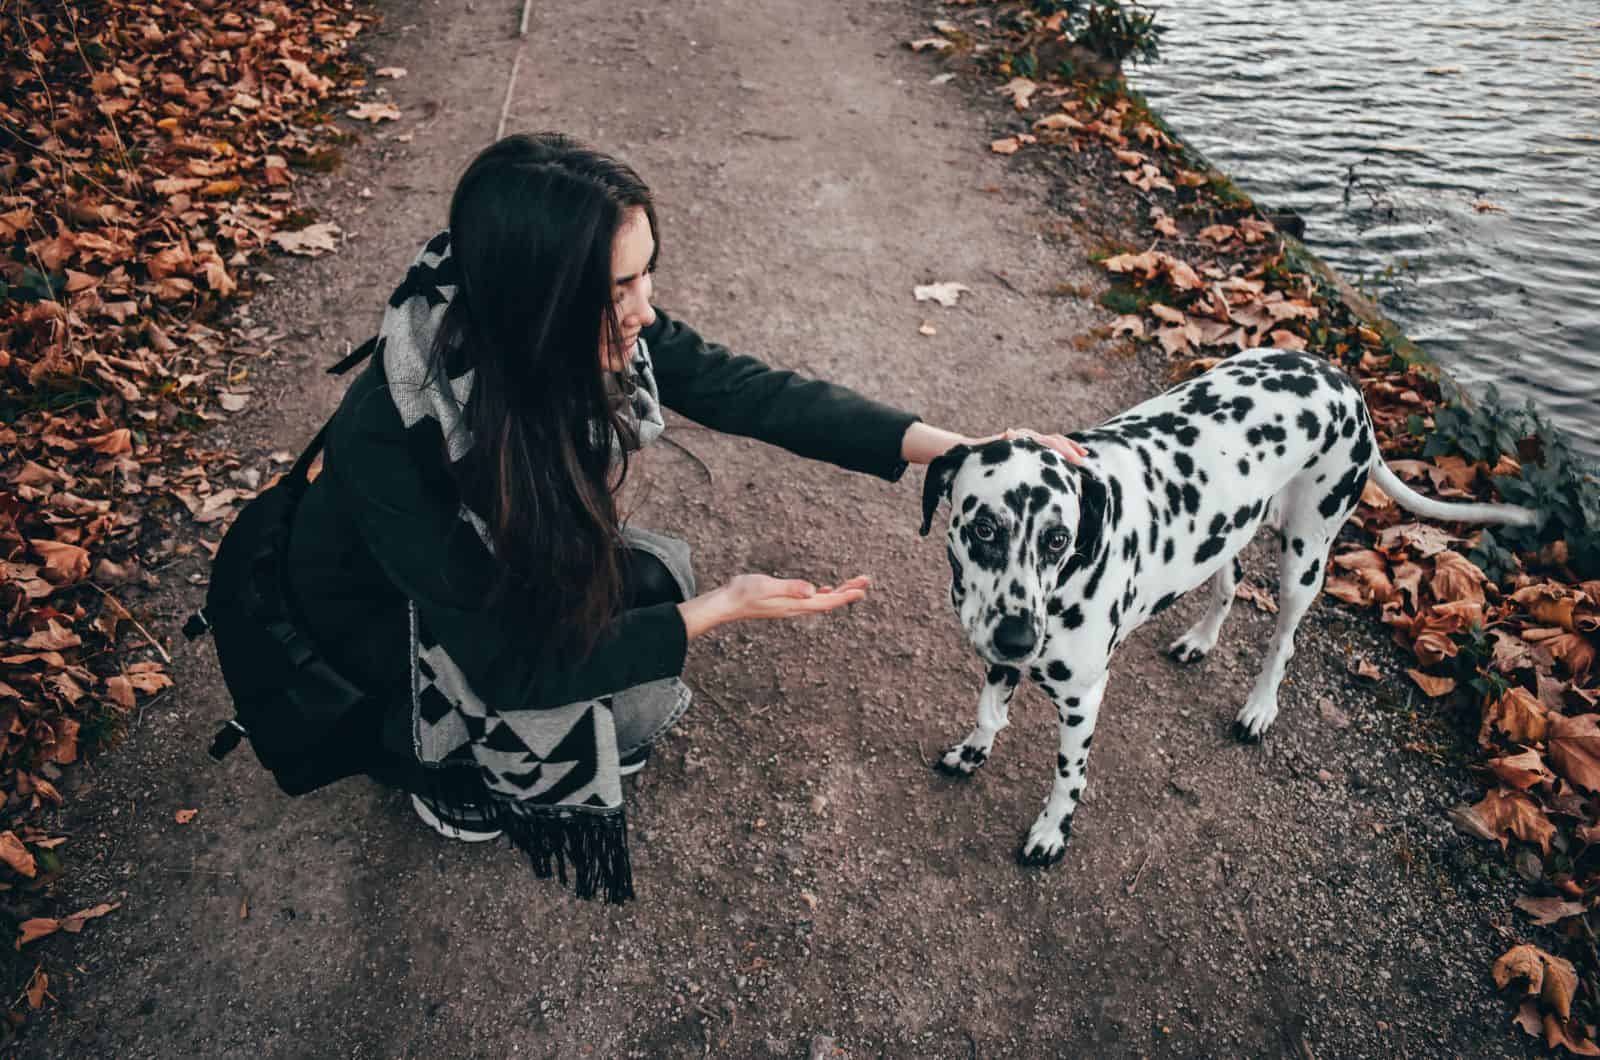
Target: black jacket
[(381, 524)]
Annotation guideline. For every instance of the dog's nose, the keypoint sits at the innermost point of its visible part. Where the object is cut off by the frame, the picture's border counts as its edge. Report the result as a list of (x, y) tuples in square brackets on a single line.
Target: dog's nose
[(1014, 636)]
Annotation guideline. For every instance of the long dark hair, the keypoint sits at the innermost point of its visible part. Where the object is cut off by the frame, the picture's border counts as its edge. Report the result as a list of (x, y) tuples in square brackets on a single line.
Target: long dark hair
[(532, 224)]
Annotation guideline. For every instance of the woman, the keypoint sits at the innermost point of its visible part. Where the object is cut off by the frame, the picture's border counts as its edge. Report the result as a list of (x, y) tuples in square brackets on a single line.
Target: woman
[(461, 556)]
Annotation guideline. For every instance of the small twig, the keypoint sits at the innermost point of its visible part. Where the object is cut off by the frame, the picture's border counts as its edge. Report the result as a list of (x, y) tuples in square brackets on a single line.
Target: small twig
[(691, 455), (156, 644), (1002, 278), (522, 28), (511, 86), (922, 756), (1133, 886)]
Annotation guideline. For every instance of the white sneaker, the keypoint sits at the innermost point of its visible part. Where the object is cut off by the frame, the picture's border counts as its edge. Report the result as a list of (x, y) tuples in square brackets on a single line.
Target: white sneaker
[(437, 818)]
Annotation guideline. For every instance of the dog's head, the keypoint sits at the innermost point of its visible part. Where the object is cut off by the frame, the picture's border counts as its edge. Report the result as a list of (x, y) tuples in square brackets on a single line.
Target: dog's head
[(1022, 521)]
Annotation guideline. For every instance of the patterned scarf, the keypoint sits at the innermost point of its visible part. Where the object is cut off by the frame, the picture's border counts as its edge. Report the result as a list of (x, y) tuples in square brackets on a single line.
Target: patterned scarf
[(550, 775)]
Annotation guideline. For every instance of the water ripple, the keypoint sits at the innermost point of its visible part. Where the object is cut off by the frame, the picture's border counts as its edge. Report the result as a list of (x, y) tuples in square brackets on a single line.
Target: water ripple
[(1456, 169)]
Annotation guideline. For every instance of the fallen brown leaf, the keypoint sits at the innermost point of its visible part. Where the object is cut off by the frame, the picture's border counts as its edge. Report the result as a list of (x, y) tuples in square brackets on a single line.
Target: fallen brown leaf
[(1548, 911), (1518, 715), (1513, 812), (1575, 748), (16, 855), (1552, 979)]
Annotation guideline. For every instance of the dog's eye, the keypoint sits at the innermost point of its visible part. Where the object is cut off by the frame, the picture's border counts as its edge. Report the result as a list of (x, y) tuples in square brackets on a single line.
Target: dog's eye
[(983, 530), (1056, 540)]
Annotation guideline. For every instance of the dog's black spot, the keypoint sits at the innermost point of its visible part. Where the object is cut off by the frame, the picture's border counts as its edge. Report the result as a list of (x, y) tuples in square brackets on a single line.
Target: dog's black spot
[(1053, 479), (1072, 618), (1168, 550), (1058, 671), (1061, 763), (1184, 463), (1164, 603), (1017, 591), (1219, 523), (1201, 399), (1362, 451), (1191, 499), (1309, 423), (1099, 572), (1007, 675), (969, 503), (1238, 570), (1310, 576), (1349, 427), (973, 757), (1038, 497), (1241, 408), (996, 452), (1292, 378), (1211, 546), (1345, 493), (1074, 719), (1244, 466), (1174, 497), (1243, 515)]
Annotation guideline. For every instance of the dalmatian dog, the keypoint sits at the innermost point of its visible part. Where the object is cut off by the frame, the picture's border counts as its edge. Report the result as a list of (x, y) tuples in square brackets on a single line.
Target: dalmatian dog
[(1053, 566)]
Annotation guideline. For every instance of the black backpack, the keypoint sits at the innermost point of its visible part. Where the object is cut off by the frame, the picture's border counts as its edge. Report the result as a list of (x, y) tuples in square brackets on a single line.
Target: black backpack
[(286, 697)]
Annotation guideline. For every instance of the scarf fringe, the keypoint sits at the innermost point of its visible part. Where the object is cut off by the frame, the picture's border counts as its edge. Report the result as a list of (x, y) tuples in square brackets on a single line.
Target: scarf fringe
[(592, 844)]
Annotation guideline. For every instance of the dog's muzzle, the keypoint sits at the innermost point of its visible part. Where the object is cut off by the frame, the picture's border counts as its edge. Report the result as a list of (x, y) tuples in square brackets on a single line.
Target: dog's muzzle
[(1015, 637)]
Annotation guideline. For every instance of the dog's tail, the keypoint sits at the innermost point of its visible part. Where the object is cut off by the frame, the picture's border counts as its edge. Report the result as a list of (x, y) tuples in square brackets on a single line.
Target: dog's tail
[(1410, 499)]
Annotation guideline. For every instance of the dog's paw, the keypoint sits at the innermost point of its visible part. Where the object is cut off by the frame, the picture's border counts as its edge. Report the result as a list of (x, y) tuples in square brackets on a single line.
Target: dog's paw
[(1188, 649), (1251, 724), (961, 761), (1046, 844)]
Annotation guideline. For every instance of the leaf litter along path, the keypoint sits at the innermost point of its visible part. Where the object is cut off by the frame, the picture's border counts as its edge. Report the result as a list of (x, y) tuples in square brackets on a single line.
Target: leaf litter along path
[(802, 872)]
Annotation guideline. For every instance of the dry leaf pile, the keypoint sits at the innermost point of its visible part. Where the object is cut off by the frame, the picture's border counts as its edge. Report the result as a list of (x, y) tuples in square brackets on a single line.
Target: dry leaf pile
[(149, 157), (1215, 277)]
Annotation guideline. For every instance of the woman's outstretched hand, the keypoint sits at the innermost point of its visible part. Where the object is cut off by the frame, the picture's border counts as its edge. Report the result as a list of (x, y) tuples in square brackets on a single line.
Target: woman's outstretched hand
[(762, 596)]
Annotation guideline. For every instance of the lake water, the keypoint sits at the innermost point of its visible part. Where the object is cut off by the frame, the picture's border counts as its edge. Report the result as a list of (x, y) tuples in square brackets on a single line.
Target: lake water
[(1445, 156)]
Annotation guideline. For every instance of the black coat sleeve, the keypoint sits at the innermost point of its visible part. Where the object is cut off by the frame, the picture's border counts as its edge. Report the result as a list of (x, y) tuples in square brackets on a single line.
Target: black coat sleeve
[(406, 510), (740, 395)]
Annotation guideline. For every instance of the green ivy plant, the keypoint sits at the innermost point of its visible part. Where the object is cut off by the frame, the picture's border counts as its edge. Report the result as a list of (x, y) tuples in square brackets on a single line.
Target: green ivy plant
[(1553, 481), (1118, 30)]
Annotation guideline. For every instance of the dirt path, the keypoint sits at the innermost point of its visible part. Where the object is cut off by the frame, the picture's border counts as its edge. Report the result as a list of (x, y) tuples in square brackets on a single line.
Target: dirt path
[(801, 871)]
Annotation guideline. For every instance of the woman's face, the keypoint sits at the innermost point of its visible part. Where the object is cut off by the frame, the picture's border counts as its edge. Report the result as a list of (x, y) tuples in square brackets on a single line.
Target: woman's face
[(631, 287)]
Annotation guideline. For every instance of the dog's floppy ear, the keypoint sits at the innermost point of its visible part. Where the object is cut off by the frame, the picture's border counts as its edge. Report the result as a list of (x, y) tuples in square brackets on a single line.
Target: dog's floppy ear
[(936, 485)]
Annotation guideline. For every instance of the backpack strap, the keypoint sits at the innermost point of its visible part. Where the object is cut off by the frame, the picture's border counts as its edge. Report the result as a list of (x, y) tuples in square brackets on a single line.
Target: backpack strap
[(355, 357)]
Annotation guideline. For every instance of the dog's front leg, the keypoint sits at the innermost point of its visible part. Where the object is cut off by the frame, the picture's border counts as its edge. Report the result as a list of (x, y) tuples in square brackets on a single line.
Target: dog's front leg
[(1078, 707), (994, 708)]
